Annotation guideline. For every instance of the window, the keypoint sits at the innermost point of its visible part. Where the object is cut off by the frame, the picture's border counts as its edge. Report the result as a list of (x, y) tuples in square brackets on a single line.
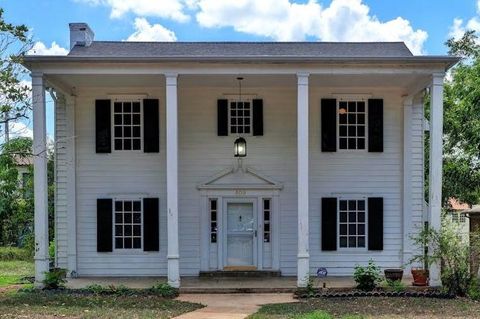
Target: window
[(213, 220), (458, 217), (240, 117), (352, 223), (352, 125), (127, 125), (267, 230), (128, 224)]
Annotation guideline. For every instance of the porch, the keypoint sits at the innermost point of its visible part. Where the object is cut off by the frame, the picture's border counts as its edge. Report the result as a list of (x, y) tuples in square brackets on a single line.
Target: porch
[(221, 285)]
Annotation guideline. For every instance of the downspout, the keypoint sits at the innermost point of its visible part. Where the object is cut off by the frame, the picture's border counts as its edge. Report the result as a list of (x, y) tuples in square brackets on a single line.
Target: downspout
[(55, 100)]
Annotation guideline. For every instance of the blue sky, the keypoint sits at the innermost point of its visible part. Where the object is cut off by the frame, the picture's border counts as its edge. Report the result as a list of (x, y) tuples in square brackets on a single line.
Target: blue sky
[(423, 24)]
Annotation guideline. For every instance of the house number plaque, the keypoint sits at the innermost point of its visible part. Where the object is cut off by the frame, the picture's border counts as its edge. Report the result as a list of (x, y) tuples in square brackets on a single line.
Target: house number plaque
[(240, 192)]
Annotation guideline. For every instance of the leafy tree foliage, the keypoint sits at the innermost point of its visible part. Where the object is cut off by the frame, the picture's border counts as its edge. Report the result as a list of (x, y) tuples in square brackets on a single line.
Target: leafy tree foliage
[(14, 96), (462, 123)]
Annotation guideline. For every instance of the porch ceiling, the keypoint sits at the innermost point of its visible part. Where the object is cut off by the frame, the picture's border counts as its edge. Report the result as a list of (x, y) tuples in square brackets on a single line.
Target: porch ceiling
[(404, 82)]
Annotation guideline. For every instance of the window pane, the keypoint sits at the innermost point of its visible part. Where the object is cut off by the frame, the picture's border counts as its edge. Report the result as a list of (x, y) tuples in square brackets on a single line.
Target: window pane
[(352, 143), (343, 130), (361, 241), (343, 217), (213, 204), (266, 204), (361, 119), (118, 206), (128, 243), (352, 107), (266, 227), (118, 144), (343, 143), (137, 218), (342, 118), (136, 119), (127, 119), (361, 217), (118, 119), (342, 105), (343, 229), (119, 243), (352, 131), (127, 229), (266, 216), (136, 131), (127, 206), (352, 119), (361, 144), (343, 241), (118, 218), (213, 238), (352, 217), (352, 242), (233, 129), (136, 107), (136, 230), (360, 106), (127, 107), (361, 205), (127, 144), (117, 106), (361, 229), (352, 204), (127, 218), (136, 144), (360, 130), (118, 131), (137, 243), (127, 131), (136, 206), (343, 205), (352, 229), (247, 130), (118, 230)]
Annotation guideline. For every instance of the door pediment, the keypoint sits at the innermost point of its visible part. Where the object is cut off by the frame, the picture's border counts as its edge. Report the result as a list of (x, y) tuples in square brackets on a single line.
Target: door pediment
[(247, 178)]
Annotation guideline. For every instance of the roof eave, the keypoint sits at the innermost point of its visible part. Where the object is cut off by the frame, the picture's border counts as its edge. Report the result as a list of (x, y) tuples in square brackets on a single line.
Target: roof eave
[(448, 61)]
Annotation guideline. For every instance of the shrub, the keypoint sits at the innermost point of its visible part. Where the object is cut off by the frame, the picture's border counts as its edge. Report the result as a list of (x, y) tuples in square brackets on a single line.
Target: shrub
[(51, 250), (474, 289), (164, 290), (14, 253), (55, 279), (96, 289), (319, 314), (450, 248), (367, 277)]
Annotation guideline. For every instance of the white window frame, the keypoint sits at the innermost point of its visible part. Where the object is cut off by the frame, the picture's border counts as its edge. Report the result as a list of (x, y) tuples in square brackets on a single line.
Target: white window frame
[(128, 250), (269, 220), (210, 210), (337, 110), (112, 107), (352, 249), (250, 101)]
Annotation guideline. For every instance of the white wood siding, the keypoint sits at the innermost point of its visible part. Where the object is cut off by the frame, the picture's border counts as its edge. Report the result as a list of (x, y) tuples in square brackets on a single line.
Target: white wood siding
[(202, 153)]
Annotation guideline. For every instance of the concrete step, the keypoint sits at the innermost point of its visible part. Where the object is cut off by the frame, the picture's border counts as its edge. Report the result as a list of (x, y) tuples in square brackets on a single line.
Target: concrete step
[(240, 274)]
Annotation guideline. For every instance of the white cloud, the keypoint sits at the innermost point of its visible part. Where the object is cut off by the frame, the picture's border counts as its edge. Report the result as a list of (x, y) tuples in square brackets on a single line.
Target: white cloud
[(19, 129), (39, 48), (284, 20), (145, 31), (458, 27), (171, 9)]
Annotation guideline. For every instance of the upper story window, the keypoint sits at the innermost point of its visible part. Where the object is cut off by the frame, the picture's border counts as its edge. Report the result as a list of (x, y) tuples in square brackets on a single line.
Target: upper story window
[(352, 125), (240, 117), (127, 131), (352, 223)]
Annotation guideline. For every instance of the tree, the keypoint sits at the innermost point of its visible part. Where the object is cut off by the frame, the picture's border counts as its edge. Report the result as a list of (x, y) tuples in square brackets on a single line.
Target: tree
[(461, 168), (14, 95)]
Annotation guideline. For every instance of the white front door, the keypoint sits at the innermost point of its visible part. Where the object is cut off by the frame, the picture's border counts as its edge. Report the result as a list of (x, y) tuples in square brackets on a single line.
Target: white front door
[(241, 234)]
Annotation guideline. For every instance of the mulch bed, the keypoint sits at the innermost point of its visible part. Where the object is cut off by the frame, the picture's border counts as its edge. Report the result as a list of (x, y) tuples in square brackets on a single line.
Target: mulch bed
[(378, 292)]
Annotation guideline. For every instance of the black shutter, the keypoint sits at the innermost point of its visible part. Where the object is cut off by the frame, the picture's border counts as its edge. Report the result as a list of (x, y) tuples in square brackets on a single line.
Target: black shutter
[(104, 225), (103, 131), (375, 125), (375, 223), (150, 224), (257, 114), (151, 127), (329, 223), (329, 125), (222, 117)]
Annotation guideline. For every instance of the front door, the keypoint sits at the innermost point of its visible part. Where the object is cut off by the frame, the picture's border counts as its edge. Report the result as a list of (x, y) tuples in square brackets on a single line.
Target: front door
[(241, 232)]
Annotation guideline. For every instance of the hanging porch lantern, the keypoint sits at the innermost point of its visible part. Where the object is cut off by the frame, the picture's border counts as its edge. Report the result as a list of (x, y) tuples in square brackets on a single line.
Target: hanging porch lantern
[(240, 147)]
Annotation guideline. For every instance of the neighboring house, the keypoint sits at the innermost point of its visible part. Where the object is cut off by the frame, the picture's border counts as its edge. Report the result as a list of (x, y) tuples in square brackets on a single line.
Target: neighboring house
[(23, 165), (457, 214), (148, 184)]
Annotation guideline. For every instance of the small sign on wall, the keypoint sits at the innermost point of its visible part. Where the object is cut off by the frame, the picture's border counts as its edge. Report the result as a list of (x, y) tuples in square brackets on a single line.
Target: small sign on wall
[(322, 272)]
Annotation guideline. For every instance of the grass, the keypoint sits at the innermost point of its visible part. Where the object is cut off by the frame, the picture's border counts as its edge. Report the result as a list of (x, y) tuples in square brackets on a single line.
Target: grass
[(375, 307), (31, 304), (12, 271)]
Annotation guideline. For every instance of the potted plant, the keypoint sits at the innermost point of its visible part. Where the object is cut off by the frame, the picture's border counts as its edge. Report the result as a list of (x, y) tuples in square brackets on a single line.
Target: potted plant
[(425, 242), (393, 274), (420, 276)]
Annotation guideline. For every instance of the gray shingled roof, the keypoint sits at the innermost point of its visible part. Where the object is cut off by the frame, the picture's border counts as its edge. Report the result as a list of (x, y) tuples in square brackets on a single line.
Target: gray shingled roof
[(242, 49)]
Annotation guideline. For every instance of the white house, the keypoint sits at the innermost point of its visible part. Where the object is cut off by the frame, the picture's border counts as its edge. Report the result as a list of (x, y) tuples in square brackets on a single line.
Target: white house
[(148, 184)]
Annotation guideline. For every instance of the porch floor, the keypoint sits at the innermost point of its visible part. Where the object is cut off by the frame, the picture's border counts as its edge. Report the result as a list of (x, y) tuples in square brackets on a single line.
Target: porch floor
[(219, 285)]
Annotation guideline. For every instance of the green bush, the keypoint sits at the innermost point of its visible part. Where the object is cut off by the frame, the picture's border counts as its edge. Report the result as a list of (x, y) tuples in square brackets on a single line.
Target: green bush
[(395, 285), (319, 314), (14, 253), (474, 289), (51, 250), (368, 277), (164, 290), (55, 279)]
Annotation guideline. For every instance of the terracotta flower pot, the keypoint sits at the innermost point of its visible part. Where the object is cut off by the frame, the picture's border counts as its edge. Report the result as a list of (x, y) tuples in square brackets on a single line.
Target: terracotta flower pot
[(420, 277), (393, 274)]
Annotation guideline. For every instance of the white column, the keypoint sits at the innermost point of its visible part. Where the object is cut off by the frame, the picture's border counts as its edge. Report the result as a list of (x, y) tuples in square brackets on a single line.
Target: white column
[(302, 171), (40, 178), (172, 180), (407, 177), (435, 170)]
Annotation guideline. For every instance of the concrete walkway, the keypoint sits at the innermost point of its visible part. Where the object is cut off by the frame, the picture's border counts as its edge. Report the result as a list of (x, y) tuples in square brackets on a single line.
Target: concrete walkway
[(230, 306)]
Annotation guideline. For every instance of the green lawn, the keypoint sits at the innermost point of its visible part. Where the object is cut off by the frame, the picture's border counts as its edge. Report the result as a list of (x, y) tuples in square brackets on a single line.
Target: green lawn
[(372, 307), (12, 271)]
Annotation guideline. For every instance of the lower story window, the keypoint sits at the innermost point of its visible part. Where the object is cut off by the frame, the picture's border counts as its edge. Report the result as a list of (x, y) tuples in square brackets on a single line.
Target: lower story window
[(128, 224), (213, 220), (267, 230), (352, 223)]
